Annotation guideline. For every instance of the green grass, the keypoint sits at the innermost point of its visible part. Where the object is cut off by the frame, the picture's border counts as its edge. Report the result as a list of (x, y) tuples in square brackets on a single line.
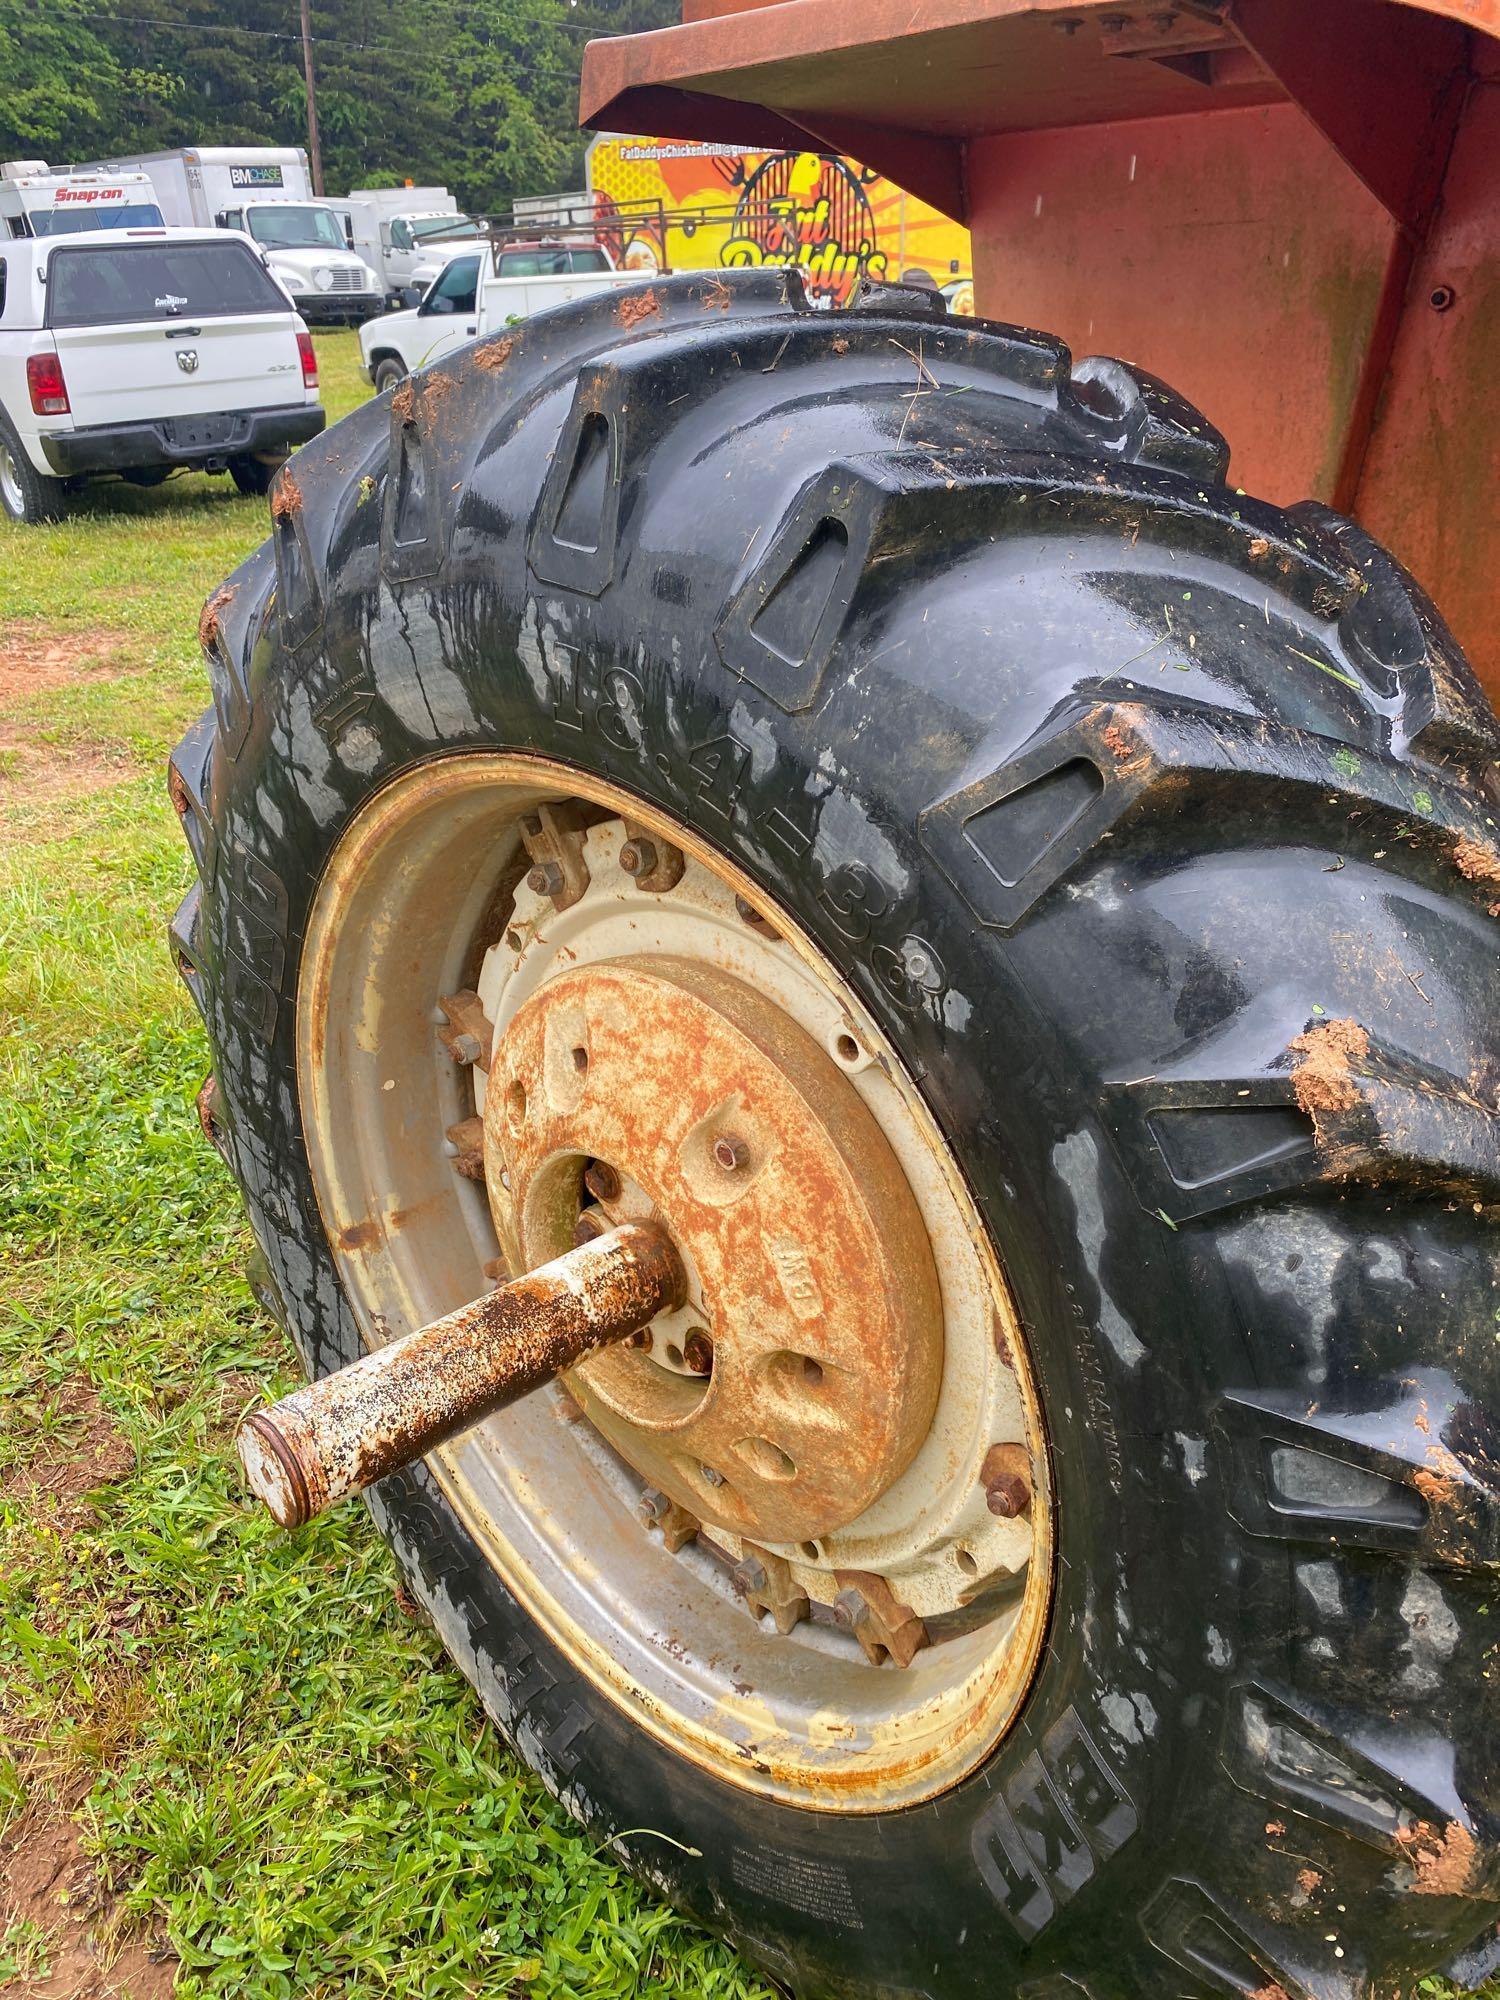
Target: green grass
[(275, 1772)]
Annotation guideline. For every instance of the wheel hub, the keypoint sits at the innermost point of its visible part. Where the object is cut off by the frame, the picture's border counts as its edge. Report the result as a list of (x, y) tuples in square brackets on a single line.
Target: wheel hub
[(532, 1005), (812, 1282)]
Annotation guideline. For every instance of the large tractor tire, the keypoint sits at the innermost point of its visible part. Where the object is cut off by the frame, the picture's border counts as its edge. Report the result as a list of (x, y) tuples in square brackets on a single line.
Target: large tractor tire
[(1024, 914)]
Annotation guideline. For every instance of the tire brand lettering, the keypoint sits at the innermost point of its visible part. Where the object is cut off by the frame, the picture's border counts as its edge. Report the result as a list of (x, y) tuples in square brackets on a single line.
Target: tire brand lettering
[(1042, 1838), (1096, 1390), (720, 766), (527, 1684)]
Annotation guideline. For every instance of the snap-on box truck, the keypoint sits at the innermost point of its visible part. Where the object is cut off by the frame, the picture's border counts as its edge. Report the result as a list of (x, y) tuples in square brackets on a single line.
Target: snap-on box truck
[(267, 192), (38, 200)]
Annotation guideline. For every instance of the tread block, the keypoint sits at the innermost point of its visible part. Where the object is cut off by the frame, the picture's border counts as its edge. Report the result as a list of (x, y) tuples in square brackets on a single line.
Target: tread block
[(1223, 1124), (188, 776), (1415, 1472), (1204, 1937), (411, 540), (1154, 760), (1150, 422), (183, 934), (575, 528), (228, 629), (1382, 1781), (1396, 636), (298, 595), (780, 628)]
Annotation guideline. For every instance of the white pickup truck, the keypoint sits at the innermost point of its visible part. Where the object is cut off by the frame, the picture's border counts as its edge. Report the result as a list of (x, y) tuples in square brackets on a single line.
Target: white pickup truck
[(139, 351), (484, 291)]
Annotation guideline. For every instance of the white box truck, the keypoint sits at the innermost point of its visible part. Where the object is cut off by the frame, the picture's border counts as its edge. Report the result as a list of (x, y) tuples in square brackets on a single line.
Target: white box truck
[(407, 234), (267, 192), (38, 200)]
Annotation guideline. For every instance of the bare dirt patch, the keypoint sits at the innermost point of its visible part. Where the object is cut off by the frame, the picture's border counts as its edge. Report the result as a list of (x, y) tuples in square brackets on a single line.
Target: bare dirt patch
[(33, 659), (78, 1450), (46, 1880), (42, 774)]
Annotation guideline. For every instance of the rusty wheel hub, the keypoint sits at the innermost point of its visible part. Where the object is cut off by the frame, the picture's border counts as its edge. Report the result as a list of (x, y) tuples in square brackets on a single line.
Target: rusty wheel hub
[(533, 1010), (813, 1286)]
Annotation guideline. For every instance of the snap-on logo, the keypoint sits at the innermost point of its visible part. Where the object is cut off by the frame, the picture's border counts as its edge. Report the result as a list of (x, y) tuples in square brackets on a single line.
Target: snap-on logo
[(65, 195), (1060, 1814)]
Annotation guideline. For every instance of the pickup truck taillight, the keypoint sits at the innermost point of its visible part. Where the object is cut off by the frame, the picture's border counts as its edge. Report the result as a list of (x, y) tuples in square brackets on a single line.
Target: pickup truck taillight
[(309, 361), (49, 392)]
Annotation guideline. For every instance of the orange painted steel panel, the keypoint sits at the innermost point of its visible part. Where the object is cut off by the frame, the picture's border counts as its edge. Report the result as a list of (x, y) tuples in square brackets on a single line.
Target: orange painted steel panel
[(1191, 246), (1431, 484)]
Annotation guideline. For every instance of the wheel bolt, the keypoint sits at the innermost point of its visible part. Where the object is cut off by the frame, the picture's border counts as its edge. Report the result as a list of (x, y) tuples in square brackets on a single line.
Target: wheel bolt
[(652, 1506), (712, 1476), (546, 879), (602, 1182), (1008, 1497), (748, 914), (638, 857), (466, 1048), (749, 1577), (850, 1610), (698, 1353), (586, 1228), (730, 1153)]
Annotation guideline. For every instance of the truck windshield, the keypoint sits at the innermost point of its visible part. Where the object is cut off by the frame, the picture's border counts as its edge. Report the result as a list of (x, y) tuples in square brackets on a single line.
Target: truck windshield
[(114, 215), (289, 226), (96, 286)]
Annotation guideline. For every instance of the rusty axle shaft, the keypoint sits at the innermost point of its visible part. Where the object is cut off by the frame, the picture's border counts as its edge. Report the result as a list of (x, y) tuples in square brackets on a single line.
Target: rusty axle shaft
[(390, 1407)]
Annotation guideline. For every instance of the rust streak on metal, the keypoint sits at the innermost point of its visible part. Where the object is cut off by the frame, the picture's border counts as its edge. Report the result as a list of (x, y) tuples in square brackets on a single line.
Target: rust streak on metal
[(388, 1408)]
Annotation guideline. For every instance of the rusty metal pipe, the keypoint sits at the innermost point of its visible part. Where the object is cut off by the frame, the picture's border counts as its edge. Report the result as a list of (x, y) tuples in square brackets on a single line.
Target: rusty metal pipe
[(351, 1428)]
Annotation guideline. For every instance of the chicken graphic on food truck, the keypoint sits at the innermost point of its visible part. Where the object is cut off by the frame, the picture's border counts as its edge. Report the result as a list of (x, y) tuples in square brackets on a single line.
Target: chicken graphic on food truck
[(674, 205)]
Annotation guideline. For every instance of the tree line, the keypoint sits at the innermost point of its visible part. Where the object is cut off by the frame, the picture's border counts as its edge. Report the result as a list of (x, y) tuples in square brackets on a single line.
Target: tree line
[(478, 95)]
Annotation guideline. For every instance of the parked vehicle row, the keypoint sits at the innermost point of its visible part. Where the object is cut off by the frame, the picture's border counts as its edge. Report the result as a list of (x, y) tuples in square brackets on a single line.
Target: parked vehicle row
[(154, 312)]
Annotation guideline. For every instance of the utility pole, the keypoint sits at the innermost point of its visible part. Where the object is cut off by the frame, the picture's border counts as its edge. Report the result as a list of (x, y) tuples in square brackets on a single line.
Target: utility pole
[(314, 150)]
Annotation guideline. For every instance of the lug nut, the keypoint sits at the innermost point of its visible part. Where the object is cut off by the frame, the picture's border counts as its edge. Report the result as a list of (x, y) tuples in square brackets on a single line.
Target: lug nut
[(466, 1048), (1006, 1479), (850, 1610), (712, 1476), (698, 1353), (653, 1506), (546, 879), (586, 1228), (749, 1577), (602, 1182), (748, 914), (639, 857), (730, 1153)]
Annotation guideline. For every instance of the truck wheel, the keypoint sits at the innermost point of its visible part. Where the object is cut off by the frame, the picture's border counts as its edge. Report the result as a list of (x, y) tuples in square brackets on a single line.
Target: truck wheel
[(26, 494), (1023, 913), (389, 373), (253, 476)]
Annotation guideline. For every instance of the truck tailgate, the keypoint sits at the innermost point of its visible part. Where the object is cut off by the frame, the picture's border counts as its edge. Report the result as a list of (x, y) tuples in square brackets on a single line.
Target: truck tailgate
[(119, 374)]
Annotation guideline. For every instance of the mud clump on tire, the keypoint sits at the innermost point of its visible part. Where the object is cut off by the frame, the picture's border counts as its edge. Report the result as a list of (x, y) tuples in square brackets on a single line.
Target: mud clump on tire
[(1324, 1079)]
